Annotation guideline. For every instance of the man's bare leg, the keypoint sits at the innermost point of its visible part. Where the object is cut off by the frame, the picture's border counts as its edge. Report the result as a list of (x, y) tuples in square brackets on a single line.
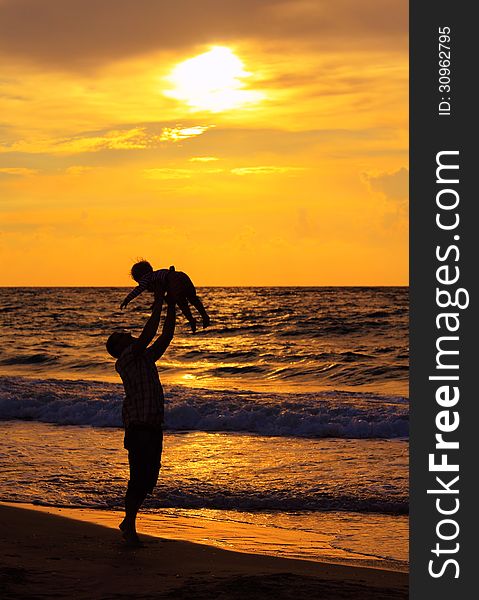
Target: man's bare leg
[(133, 501)]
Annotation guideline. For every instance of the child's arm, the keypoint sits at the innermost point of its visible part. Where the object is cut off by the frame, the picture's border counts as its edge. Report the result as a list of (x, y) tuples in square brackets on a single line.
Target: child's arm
[(141, 287)]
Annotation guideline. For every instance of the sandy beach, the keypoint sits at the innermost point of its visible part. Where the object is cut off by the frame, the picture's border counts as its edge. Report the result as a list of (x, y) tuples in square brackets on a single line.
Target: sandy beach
[(47, 556)]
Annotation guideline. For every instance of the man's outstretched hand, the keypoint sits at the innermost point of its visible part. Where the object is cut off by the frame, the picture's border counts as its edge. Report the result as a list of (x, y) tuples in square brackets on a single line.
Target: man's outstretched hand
[(123, 305)]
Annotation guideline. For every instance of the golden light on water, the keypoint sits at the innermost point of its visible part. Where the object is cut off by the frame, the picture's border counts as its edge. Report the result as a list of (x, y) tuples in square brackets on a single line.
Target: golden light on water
[(212, 81)]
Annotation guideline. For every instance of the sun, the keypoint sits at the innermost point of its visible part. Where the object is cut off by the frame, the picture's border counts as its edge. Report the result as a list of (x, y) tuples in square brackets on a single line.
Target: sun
[(212, 81)]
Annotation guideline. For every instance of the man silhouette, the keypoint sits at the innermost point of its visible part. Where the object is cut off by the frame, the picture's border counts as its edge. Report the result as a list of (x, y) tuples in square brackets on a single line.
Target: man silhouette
[(143, 408)]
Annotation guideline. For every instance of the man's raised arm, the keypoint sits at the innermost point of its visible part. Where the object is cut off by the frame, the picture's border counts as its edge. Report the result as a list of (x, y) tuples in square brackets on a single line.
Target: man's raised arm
[(150, 328), (161, 344)]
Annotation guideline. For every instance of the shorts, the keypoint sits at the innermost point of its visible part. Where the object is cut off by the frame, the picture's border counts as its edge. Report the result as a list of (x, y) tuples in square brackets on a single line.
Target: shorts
[(144, 445), (180, 285)]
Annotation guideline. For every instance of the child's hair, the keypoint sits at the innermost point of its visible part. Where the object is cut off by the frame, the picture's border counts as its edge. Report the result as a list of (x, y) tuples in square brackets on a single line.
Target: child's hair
[(140, 269)]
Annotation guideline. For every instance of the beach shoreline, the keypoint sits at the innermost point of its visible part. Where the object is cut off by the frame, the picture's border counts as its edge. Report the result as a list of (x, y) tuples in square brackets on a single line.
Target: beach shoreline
[(47, 555), (230, 533)]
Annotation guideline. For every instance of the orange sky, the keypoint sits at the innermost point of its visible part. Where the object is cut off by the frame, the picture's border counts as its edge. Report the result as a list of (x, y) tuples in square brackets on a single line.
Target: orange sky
[(278, 156)]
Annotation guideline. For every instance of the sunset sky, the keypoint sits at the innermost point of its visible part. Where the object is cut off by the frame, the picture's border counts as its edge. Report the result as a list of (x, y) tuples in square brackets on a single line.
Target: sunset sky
[(247, 142)]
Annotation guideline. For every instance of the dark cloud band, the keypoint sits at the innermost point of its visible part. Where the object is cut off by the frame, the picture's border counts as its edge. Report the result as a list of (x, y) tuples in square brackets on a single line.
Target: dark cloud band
[(82, 34)]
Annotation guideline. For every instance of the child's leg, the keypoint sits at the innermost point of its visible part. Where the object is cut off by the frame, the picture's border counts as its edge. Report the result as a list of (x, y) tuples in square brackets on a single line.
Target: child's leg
[(196, 302), (182, 302), (189, 292)]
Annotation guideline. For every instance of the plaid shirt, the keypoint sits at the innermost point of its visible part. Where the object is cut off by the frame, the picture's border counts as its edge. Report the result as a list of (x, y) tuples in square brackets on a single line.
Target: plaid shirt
[(144, 401)]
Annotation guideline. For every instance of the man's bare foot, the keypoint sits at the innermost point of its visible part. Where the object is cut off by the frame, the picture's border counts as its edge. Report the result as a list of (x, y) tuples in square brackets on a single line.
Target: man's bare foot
[(129, 535), (193, 325), (206, 321), (131, 538)]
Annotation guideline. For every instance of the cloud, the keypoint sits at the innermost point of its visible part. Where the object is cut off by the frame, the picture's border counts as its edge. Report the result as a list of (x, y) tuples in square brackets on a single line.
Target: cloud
[(143, 142), (16, 172), (111, 140), (167, 173), (177, 134), (77, 170), (180, 173), (203, 158), (173, 173), (265, 170), (85, 34), (394, 186), (137, 138)]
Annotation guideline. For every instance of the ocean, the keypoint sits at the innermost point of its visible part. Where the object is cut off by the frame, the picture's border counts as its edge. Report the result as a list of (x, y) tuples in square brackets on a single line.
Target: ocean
[(289, 412)]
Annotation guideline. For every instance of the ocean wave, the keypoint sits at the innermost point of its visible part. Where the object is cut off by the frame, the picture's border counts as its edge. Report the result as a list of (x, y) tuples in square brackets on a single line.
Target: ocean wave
[(237, 370), (219, 355), (315, 415), (225, 330), (280, 500), (166, 496), (29, 359)]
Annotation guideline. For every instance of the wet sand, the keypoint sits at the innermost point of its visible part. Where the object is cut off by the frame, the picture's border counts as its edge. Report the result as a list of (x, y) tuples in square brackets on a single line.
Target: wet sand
[(47, 556)]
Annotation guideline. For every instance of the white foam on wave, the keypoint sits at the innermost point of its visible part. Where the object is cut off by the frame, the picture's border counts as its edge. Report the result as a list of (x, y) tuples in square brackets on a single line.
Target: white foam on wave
[(169, 497), (98, 404)]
